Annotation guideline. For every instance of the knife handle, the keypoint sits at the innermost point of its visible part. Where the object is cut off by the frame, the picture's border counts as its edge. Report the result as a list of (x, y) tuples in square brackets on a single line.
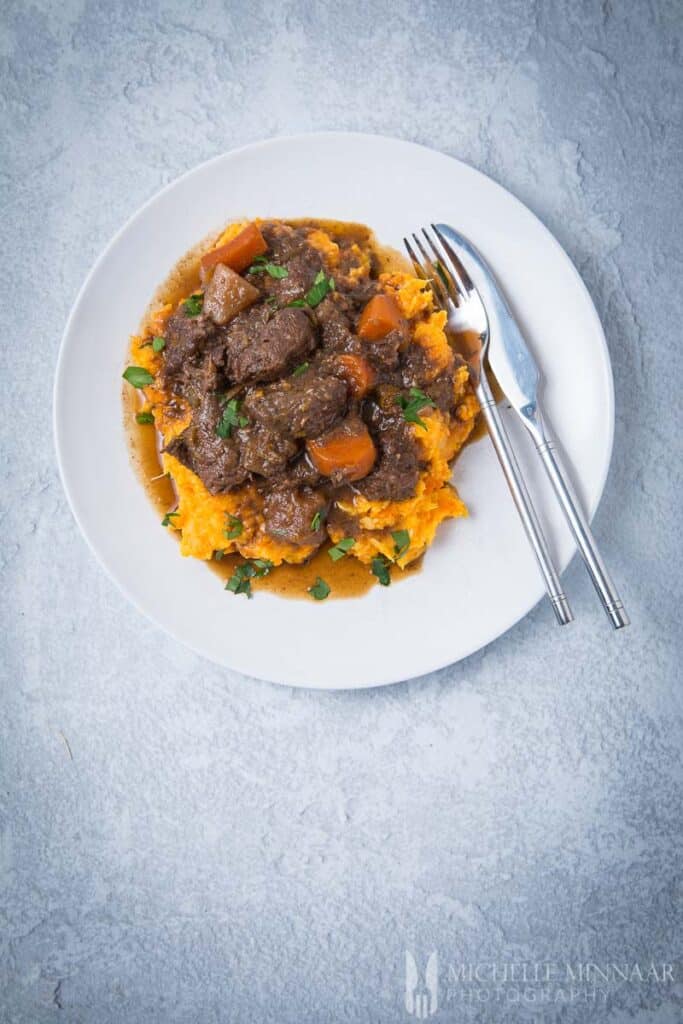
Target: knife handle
[(520, 496), (578, 524)]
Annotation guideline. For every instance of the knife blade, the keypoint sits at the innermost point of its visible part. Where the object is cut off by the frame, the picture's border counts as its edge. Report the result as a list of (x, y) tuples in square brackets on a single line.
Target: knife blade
[(513, 365)]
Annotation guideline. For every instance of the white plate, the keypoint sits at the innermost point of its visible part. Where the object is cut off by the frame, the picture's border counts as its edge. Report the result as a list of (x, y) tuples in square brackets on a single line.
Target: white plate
[(479, 578)]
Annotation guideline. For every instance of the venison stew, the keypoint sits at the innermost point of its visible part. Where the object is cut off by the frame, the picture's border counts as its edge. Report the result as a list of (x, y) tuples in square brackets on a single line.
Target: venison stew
[(297, 386)]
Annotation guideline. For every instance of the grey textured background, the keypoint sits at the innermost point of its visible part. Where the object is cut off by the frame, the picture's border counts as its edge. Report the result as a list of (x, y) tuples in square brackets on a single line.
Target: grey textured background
[(181, 844)]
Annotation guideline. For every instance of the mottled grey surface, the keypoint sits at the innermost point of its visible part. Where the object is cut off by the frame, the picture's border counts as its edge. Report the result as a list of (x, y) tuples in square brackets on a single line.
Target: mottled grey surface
[(182, 844)]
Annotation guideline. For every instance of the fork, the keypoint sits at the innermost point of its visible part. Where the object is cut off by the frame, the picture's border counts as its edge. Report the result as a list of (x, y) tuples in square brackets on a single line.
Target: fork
[(467, 317)]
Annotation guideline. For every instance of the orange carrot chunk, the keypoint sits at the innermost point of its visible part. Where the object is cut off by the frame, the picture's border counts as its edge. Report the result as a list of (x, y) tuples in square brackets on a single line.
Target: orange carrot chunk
[(380, 316), (238, 253), (345, 453), (358, 373)]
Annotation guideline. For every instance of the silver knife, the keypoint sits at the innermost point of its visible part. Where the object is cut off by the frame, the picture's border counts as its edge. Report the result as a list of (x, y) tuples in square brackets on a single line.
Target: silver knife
[(517, 373)]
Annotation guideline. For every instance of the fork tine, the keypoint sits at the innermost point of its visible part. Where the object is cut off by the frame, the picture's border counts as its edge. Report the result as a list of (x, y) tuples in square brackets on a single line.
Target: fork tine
[(435, 281), (423, 272), (457, 265), (448, 279), (414, 260)]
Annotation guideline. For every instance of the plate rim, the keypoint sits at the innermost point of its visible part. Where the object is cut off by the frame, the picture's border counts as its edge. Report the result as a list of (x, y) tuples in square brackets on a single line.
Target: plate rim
[(57, 402)]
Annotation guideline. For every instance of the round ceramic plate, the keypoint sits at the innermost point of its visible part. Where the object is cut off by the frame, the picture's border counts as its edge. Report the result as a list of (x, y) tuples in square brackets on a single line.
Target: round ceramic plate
[(479, 577)]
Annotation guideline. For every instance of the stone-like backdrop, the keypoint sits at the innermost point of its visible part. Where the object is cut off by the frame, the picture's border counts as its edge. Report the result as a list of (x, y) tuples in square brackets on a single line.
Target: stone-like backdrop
[(181, 844)]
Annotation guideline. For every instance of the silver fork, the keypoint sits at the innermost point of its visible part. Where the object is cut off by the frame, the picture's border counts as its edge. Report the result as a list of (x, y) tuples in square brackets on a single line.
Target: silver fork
[(467, 323)]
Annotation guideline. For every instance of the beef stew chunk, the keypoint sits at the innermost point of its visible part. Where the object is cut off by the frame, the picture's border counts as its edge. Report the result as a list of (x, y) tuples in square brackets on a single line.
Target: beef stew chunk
[(299, 407), (186, 340), (265, 452), (396, 472), (216, 460), (295, 516), (266, 345)]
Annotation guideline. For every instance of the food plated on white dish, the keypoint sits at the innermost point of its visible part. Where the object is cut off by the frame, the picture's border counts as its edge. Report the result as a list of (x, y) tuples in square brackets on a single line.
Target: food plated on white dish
[(291, 327), (299, 407)]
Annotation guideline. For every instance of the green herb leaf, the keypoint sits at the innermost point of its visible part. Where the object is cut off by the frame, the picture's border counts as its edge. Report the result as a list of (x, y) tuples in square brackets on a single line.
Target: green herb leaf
[(320, 589), (401, 540), (340, 549), (138, 376), (235, 527), (260, 265), (413, 404), (301, 368), (318, 519), (296, 303), (262, 566), (231, 418), (380, 569), (321, 286), (275, 271), (240, 581), (158, 344), (166, 521), (194, 305), (218, 555), (144, 417)]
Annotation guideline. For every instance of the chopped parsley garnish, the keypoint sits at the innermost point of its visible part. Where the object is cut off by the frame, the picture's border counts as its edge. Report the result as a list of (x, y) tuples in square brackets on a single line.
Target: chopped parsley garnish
[(321, 286), (138, 376), (318, 519), (262, 566), (194, 305), (231, 418), (234, 528), (401, 540), (144, 417), (341, 549), (261, 264), (413, 404), (218, 555), (158, 344), (320, 589), (166, 521), (240, 581), (315, 295), (380, 568), (301, 368)]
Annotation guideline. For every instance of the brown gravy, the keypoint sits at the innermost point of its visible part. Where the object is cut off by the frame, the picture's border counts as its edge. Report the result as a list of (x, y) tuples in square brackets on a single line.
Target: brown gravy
[(346, 578)]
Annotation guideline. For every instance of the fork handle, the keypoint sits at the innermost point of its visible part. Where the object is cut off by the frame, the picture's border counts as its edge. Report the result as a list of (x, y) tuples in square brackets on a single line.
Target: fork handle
[(578, 524), (520, 496)]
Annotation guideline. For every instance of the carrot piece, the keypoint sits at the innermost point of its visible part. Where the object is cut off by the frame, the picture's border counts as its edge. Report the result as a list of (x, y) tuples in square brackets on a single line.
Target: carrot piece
[(380, 316), (346, 452), (238, 253), (359, 374)]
